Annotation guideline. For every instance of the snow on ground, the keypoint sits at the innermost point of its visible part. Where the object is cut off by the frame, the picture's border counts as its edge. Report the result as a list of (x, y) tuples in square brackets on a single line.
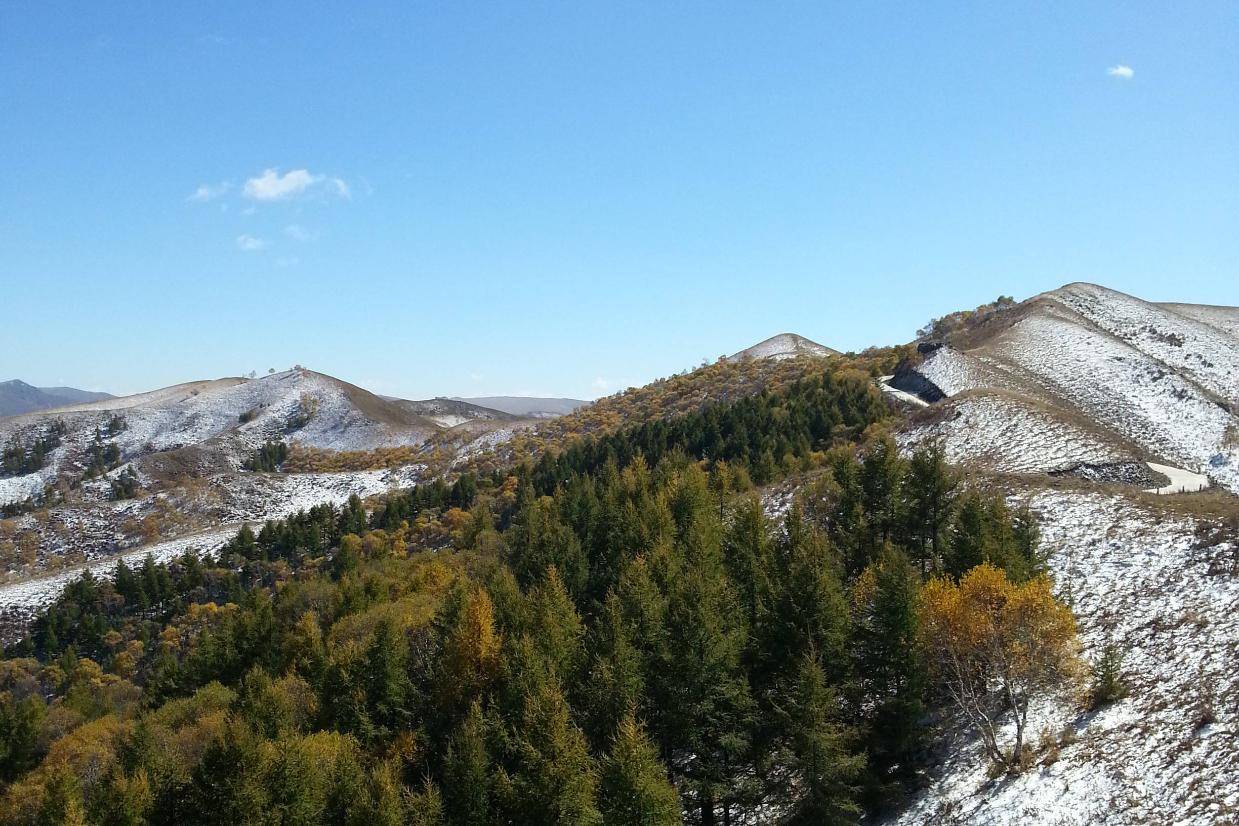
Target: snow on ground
[(953, 372), (1011, 436), (94, 532), (29, 595), (1119, 387), (1225, 319), (783, 346), (1207, 354), (1094, 361), (1181, 481), (1136, 576), (208, 414)]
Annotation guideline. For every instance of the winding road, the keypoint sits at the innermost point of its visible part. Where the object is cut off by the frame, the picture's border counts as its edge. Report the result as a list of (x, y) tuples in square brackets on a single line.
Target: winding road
[(1181, 481)]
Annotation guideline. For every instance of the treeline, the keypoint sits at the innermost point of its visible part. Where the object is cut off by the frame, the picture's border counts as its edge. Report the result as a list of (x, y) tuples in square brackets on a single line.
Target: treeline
[(765, 435), (268, 458), (19, 459), (615, 640)]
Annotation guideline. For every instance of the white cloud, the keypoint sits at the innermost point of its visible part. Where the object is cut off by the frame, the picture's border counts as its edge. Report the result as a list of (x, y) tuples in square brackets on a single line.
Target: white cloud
[(272, 186), (298, 233), (600, 384), (1121, 71), (209, 192), (248, 243)]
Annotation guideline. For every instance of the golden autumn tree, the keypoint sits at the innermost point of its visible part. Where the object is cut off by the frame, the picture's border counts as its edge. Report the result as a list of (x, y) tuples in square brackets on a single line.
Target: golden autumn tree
[(994, 646), (471, 651)]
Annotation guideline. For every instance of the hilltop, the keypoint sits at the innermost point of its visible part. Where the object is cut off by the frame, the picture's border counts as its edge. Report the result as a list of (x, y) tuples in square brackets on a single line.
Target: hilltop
[(783, 346), (1084, 380)]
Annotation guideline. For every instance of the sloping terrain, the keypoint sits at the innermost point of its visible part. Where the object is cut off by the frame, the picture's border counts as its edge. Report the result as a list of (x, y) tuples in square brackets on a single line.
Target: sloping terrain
[(783, 346), (184, 450), (1165, 592), (224, 419), (17, 397), (452, 412), (1153, 379), (535, 407)]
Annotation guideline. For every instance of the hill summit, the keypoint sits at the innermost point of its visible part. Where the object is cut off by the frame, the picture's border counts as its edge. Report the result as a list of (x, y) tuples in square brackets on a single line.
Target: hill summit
[(784, 346)]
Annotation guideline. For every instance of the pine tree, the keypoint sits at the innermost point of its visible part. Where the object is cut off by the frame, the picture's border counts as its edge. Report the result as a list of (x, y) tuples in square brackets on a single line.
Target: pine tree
[(969, 544), (555, 627), (633, 788), (881, 484), (614, 682), (466, 773), (930, 485), (826, 770), (1108, 683), (555, 780), (21, 726), (388, 688), (889, 667), (747, 555), (704, 709), (807, 607)]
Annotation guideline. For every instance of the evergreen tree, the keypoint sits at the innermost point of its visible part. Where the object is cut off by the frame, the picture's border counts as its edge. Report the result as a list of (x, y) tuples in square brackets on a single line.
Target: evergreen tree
[(21, 725), (633, 788), (555, 627), (704, 710), (747, 554), (615, 682), (969, 543), (466, 773), (555, 780), (881, 483), (889, 668), (930, 486), (826, 770)]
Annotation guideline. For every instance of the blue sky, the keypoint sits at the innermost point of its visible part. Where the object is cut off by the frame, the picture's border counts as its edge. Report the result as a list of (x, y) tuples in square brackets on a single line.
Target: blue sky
[(568, 198)]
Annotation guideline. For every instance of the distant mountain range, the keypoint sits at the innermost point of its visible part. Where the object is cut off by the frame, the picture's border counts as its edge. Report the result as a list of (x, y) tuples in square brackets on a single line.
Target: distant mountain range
[(528, 406), (17, 397)]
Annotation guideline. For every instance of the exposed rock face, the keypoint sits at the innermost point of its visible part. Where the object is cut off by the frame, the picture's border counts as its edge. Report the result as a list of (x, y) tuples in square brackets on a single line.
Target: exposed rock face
[(908, 380)]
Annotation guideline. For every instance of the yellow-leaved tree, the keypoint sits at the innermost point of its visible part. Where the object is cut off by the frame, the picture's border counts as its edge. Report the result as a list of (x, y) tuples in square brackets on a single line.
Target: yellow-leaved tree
[(994, 646)]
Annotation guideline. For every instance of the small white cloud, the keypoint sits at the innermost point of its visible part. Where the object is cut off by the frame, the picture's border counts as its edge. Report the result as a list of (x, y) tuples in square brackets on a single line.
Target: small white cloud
[(600, 384), (298, 233), (272, 186), (209, 192), (1121, 71), (248, 243)]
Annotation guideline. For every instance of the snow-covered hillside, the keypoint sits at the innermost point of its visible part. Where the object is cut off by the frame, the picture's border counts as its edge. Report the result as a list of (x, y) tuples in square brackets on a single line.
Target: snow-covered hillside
[(1132, 374), (1139, 576), (783, 346), (226, 418)]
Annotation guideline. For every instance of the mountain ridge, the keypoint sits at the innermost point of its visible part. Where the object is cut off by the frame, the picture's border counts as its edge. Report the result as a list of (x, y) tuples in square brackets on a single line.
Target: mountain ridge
[(17, 397)]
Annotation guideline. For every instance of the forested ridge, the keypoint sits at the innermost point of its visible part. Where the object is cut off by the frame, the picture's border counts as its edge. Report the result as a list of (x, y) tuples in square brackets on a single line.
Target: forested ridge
[(617, 633)]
